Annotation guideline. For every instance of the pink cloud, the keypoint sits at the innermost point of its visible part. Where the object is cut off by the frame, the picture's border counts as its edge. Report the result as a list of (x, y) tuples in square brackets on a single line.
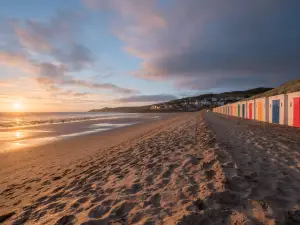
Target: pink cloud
[(5, 84), (19, 61), (141, 12), (32, 42), (52, 75)]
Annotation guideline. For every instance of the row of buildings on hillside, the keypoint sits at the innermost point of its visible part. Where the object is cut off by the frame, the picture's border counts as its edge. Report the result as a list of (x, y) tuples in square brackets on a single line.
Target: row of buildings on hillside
[(195, 104)]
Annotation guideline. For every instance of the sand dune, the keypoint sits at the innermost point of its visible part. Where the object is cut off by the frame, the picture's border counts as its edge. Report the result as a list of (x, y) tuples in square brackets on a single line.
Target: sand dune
[(183, 170)]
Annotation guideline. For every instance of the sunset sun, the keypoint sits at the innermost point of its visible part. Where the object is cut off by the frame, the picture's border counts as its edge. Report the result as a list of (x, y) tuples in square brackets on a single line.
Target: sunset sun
[(17, 105)]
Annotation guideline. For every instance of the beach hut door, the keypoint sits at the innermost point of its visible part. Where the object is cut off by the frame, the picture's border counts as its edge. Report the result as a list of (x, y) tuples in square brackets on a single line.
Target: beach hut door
[(259, 109), (250, 111), (275, 110), (296, 112), (243, 111)]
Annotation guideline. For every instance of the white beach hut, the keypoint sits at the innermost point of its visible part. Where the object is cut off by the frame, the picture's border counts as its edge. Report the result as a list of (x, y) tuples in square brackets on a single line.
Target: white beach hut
[(234, 109), (262, 109), (242, 109), (251, 109), (278, 109), (293, 108)]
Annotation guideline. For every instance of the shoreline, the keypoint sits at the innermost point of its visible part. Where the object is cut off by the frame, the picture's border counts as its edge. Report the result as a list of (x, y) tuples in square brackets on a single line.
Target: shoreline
[(18, 138)]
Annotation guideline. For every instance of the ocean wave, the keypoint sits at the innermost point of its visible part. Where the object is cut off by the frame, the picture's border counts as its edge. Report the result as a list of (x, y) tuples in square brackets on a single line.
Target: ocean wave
[(25, 123)]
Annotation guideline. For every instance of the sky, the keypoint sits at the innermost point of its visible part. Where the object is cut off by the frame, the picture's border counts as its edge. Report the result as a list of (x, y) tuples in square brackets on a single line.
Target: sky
[(77, 55)]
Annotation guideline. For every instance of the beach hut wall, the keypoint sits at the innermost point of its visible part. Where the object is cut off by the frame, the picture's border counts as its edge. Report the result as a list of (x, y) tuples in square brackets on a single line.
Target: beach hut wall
[(262, 109), (243, 109), (278, 109), (251, 109), (233, 109), (293, 108)]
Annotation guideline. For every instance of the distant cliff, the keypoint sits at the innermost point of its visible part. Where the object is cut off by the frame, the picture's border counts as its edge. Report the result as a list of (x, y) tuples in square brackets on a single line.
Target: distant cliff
[(133, 109), (139, 109)]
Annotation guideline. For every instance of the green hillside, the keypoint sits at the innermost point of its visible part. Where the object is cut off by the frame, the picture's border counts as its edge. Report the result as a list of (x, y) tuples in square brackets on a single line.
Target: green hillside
[(245, 94), (147, 108), (288, 87)]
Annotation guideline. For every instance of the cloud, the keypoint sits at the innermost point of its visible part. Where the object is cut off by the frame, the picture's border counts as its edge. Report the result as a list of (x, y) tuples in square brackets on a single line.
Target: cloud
[(30, 41), (53, 42), (78, 57), (143, 12), (138, 20), (147, 98), (68, 93), (54, 75), (17, 60), (203, 44), (95, 85), (5, 83), (55, 38)]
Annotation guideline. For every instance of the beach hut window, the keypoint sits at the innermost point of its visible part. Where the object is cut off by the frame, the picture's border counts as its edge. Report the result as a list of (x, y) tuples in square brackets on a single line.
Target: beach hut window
[(291, 104), (280, 104)]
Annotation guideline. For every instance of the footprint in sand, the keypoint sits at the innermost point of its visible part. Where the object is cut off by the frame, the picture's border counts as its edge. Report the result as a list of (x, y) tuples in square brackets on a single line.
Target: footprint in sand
[(67, 220), (5, 217), (209, 174), (99, 211)]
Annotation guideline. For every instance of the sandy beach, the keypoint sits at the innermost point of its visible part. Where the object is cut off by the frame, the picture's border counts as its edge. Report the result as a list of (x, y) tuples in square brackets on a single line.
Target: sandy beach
[(189, 168)]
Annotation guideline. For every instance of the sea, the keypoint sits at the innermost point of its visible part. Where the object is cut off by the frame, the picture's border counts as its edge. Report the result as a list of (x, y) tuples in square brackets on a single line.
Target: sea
[(23, 130)]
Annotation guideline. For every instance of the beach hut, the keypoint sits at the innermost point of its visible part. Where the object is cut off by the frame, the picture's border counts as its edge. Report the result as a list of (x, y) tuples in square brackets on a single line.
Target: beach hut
[(251, 109), (231, 110), (235, 106), (293, 107), (238, 109), (228, 109), (262, 109), (234, 111), (278, 109), (243, 109)]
